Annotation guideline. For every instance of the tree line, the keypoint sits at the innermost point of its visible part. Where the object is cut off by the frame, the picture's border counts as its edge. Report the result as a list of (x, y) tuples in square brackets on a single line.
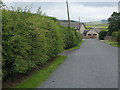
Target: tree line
[(113, 28)]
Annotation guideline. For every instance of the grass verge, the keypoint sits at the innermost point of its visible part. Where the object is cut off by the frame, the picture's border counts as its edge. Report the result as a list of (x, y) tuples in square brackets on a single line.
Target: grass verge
[(116, 44), (76, 47), (0, 62), (40, 76)]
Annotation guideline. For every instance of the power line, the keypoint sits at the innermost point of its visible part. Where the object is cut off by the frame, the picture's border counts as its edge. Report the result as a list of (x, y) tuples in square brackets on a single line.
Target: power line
[(79, 23)]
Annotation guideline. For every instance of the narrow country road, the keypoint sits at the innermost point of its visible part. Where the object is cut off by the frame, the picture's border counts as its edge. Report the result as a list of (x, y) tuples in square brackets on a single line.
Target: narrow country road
[(94, 65)]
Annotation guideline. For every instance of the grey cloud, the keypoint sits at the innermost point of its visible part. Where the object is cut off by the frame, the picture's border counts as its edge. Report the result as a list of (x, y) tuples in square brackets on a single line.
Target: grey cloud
[(96, 4), (90, 10)]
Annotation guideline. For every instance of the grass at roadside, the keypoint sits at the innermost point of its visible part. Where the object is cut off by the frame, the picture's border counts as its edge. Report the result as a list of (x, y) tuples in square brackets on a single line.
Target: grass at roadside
[(0, 47), (0, 74), (76, 47), (40, 76), (0, 62), (111, 43)]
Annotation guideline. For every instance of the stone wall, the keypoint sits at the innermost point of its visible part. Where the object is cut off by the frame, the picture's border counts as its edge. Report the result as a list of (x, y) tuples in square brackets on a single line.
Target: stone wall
[(110, 38)]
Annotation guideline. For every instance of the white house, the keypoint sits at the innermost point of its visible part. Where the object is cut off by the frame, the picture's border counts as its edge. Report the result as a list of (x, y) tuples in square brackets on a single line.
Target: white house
[(92, 33)]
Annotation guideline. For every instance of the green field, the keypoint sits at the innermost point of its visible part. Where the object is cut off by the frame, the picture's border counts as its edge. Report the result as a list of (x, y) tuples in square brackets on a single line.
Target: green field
[(101, 26)]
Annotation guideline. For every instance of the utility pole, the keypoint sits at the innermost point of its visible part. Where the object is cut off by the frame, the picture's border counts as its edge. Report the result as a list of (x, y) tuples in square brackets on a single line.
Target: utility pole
[(68, 12), (79, 23), (119, 7)]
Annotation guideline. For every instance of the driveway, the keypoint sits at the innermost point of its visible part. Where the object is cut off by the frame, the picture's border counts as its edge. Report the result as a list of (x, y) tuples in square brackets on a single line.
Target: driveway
[(94, 65)]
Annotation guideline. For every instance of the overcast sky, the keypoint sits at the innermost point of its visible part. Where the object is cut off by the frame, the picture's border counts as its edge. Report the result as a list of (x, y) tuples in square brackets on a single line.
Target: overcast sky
[(87, 11)]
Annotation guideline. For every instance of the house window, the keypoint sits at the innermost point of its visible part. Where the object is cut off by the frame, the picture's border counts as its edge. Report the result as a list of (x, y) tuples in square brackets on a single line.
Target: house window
[(94, 34), (89, 34)]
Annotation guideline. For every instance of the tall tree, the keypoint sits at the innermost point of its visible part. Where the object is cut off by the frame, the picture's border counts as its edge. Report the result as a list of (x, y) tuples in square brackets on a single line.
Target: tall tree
[(114, 22), (2, 5)]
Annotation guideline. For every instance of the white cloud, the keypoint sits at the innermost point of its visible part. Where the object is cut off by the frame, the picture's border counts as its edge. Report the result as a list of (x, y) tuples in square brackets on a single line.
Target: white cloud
[(58, 11), (77, 10), (91, 13), (85, 13)]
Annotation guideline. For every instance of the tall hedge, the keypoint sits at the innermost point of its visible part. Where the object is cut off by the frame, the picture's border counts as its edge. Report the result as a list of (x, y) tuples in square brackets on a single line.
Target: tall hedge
[(102, 34), (30, 40), (114, 23), (116, 35)]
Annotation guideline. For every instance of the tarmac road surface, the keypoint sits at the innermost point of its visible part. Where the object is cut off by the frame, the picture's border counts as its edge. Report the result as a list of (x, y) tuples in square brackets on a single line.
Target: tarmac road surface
[(94, 65)]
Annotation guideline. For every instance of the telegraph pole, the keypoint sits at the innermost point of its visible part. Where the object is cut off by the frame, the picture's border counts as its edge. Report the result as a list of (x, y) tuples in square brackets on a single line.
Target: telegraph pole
[(68, 12), (119, 7), (79, 23)]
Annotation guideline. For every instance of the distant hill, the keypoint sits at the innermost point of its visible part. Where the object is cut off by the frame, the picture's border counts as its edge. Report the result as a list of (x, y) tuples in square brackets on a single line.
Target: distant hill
[(97, 22), (67, 20), (93, 23), (104, 21)]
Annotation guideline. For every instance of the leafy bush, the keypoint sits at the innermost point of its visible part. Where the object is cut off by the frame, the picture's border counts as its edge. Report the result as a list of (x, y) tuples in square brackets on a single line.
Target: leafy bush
[(102, 35), (30, 40), (116, 35), (72, 38), (114, 22)]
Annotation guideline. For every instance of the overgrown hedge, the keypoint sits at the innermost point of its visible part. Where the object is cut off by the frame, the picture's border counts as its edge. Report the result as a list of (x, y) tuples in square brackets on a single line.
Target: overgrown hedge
[(30, 40), (102, 34), (116, 35), (114, 23)]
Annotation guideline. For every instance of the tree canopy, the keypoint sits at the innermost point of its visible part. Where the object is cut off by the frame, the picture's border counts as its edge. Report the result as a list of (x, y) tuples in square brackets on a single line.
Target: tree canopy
[(114, 22)]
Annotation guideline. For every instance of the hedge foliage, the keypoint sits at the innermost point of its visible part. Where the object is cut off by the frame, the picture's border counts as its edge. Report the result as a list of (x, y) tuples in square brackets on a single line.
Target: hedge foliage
[(116, 35), (30, 40), (114, 23), (102, 34)]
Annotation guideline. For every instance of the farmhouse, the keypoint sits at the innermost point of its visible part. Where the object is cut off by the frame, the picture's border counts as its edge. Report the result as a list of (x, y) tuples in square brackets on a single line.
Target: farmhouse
[(80, 27), (92, 33)]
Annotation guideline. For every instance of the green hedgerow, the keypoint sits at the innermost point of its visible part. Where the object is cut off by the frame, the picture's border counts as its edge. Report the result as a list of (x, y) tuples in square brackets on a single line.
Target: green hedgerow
[(30, 40)]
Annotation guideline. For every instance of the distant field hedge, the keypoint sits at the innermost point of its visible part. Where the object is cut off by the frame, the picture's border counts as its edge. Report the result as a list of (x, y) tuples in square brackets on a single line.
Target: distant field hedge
[(30, 40)]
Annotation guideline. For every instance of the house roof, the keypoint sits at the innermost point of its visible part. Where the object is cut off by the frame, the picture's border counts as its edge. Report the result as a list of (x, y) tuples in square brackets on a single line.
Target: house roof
[(96, 29), (85, 31), (73, 24)]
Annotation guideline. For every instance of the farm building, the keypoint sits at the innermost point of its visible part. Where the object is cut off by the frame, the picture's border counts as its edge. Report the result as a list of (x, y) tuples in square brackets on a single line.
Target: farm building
[(91, 33), (80, 27)]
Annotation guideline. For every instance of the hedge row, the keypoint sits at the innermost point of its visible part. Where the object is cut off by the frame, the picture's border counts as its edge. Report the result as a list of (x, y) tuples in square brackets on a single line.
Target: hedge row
[(102, 34), (30, 40), (116, 35)]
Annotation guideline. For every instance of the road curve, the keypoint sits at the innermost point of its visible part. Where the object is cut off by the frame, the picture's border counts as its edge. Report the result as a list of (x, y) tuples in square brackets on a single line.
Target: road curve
[(94, 65)]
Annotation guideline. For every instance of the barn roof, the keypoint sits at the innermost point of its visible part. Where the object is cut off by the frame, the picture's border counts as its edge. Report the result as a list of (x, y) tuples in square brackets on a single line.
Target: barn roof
[(73, 24), (96, 29), (85, 32)]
